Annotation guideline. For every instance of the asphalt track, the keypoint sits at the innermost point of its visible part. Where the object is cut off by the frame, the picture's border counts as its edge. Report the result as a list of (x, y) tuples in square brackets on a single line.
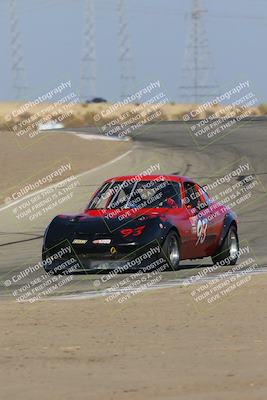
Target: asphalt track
[(171, 145)]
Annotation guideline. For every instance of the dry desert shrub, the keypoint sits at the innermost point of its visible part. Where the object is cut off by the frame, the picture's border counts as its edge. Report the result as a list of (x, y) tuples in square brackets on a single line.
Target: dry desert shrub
[(262, 108), (84, 114)]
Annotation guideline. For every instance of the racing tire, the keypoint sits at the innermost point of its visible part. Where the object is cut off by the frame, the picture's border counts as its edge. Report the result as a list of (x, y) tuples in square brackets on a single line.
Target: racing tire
[(228, 251), (171, 250)]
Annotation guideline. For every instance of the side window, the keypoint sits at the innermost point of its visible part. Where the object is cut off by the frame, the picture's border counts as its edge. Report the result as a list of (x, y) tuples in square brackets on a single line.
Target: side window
[(205, 196), (192, 195), (171, 195), (175, 194)]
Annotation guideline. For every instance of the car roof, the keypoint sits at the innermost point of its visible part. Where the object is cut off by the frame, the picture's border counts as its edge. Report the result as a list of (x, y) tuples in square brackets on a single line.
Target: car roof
[(172, 177)]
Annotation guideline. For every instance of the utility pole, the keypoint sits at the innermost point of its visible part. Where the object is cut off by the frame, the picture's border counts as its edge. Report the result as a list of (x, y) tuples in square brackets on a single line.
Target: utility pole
[(17, 60), (88, 67), (198, 74), (127, 77)]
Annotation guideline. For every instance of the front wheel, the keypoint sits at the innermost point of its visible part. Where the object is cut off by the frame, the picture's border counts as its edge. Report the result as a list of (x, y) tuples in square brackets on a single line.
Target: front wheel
[(228, 252), (171, 249)]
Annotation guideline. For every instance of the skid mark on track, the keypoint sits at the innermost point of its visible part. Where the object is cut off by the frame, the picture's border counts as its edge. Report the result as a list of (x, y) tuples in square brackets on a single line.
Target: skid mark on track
[(164, 285)]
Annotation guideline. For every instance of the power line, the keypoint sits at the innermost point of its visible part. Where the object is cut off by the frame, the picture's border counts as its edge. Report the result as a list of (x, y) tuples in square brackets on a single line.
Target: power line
[(249, 17), (172, 11), (38, 3)]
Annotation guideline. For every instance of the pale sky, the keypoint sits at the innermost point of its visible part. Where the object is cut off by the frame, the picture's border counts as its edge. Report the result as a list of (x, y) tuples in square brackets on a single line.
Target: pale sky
[(52, 42)]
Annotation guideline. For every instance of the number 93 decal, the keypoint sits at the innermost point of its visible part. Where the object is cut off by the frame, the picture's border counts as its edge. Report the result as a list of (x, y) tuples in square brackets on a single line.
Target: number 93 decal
[(202, 226)]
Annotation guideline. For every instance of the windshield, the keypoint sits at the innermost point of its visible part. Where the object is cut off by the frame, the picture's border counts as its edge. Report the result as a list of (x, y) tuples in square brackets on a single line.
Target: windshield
[(137, 195)]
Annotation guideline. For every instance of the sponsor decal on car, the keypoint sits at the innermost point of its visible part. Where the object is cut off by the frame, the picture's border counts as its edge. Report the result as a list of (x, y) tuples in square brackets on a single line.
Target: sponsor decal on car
[(79, 241), (102, 241)]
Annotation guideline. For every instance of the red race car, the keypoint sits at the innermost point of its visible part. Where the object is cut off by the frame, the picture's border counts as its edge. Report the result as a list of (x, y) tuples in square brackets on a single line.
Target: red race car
[(128, 212)]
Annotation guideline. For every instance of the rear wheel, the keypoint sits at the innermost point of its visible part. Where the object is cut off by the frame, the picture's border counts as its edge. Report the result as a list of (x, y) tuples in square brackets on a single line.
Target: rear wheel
[(228, 251), (171, 249)]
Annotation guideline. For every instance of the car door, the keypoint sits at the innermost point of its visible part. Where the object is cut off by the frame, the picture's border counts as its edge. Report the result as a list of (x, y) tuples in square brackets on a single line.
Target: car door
[(198, 212), (214, 213)]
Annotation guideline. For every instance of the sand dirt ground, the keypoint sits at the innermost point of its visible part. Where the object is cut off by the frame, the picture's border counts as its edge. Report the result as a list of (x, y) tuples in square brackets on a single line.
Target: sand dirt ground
[(159, 346), (25, 162)]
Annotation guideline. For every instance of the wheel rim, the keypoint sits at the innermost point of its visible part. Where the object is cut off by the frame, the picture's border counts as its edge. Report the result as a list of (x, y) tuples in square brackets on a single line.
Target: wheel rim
[(173, 251), (233, 246)]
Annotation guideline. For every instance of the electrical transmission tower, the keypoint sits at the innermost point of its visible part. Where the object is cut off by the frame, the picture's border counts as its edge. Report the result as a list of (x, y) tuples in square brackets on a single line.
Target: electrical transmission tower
[(127, 77), (199, 82), (17, 61), (88, 68)]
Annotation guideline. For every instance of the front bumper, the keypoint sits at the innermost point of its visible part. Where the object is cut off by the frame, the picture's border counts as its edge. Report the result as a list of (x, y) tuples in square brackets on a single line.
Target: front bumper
[(90, 257)]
